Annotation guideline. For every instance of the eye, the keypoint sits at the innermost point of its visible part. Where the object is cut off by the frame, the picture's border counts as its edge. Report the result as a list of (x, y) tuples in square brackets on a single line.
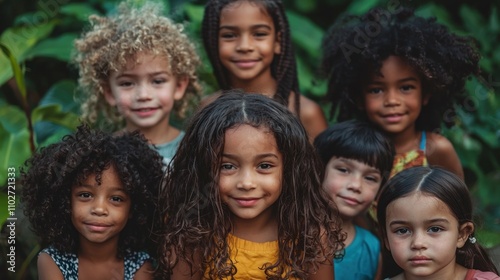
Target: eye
[(228, 35), (407, 87), (261, 34), (227, 166), (125, 84), (372, 179), (85, 195), (435, 229), (265, 166), (374, 90), (401, 231), (342, 169), (159, 81), (117, 199)]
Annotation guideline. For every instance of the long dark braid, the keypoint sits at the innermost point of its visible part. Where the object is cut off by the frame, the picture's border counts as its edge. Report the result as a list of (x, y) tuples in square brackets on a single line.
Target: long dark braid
[(283, 67)]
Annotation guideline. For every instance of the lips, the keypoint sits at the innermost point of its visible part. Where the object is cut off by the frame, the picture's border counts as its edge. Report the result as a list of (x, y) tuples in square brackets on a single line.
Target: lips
[(420, 260), (244, 64), (145, 112), (350, 200), (246, 202), (97, 227), (393, 118)]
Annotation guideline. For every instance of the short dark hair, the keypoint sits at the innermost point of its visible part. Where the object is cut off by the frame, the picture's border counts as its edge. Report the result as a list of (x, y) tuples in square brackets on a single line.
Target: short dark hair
[(357, 140)]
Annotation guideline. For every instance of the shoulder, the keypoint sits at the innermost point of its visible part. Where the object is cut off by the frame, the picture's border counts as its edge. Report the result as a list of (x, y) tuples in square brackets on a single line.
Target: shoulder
[(138, 265), (440, 152), (311, 115), (484, 275), (47, 267)]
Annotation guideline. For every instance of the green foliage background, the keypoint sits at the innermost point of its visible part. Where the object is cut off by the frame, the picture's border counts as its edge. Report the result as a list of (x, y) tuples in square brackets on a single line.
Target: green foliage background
[(37, 86)]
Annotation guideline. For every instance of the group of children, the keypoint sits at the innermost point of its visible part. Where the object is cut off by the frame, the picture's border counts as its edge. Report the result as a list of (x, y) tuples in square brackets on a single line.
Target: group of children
[(257, 186)]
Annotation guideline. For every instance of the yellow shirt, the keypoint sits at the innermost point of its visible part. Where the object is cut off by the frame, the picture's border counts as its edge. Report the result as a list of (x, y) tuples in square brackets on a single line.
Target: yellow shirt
[(249, 256)]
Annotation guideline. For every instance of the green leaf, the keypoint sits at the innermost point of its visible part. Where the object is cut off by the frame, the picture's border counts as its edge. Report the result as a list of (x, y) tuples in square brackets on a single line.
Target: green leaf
[(59, 48), (19, 40), (494, 21), (305, 34), (53, 113), (80, 11), (4, 214), (361, 6), (440, 13), (14, 139), (62, 93), (18, 74), (194, 13)]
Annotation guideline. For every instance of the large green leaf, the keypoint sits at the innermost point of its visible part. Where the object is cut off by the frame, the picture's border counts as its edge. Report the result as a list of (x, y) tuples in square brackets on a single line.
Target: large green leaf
[(58, 48), (305, 34), (18, 74), (19, 40), (54, 113), (14, 139), (80, 11)]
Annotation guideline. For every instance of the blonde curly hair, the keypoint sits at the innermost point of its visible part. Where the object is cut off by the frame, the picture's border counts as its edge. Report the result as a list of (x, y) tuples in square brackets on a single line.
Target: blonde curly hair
[(114, 40)]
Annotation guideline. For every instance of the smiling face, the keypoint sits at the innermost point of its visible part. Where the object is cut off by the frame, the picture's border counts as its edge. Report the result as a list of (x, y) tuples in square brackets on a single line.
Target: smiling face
[(423, 235), (394, 99), (144, 93), (247, 43), (99, 213), (352, 185), (251, 174)]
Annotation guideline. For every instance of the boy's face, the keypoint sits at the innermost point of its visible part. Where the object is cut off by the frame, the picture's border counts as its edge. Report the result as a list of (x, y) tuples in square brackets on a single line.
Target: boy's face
[(145, 92), (351, 184)]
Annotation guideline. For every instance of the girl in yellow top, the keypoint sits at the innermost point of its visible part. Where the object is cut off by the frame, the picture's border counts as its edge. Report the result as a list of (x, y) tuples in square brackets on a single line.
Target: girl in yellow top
[(243, 198)]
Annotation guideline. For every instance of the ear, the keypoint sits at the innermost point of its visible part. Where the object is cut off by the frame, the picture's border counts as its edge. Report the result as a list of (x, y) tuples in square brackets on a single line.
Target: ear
[(464, 231), (277, 43), (386, 244), (180, 88), (108, 94)]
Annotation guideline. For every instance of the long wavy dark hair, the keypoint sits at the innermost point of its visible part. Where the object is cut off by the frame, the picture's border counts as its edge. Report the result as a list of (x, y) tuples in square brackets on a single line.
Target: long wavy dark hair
[(283, 67), (49, 175), (355, 47), (195, 221), (446, 187)]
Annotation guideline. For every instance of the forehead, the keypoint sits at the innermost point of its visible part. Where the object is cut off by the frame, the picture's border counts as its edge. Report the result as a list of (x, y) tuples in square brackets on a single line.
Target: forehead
[(418, 207), (245, 11), (245, 137)]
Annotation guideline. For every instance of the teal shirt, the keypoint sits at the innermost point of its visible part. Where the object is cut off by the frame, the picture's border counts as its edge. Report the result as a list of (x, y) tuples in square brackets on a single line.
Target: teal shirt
[(168, 150), (360, 259)]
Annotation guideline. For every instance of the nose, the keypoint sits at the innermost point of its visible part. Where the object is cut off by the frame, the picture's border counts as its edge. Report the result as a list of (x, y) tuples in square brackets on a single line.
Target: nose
[(246, 182), (245, 43), (354, 183), (99, 207), (418, 241), (391, 97), (142, 93)]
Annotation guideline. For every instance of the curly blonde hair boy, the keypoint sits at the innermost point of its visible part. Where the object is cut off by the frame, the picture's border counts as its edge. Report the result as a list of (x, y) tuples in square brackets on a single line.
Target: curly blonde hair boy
[(115, 40)]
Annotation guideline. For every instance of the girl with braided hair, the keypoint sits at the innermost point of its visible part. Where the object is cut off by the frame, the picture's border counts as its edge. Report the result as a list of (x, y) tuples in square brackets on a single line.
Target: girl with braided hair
[(249, 46), (403, 73)]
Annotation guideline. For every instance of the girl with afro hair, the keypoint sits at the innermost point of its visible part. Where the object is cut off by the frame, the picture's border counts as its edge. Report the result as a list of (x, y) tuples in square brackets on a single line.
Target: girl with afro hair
[(91, 199), (249, 46), (403, 73)]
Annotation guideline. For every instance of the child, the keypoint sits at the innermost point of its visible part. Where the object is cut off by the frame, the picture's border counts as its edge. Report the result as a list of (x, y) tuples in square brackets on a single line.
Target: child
[(248, 43), (425, 217), (139, 67), (358, 159), (90, 198), (401, 72), (244, 199)]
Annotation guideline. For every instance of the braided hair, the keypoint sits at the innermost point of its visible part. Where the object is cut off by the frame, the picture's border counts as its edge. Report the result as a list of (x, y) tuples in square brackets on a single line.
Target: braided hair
[(283, 67)]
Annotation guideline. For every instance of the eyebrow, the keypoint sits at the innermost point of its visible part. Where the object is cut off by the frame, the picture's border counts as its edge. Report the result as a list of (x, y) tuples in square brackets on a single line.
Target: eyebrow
[(409, 79), (252, 27), (125, 74), (113, 188), (260, 156), (431, 221)]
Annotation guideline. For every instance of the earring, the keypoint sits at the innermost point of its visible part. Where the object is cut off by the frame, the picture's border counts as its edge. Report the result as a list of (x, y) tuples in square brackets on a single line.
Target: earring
[(472, 239)]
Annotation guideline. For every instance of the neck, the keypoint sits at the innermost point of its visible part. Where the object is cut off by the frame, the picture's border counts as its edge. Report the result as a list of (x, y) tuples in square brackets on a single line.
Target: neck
[(98, 252), (264, 84), (158, 134), (261, 230), (406, 141), (348, 227)]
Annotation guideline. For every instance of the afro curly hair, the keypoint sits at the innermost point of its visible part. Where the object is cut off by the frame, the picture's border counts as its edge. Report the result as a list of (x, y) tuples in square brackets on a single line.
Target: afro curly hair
[(355, 48), (49, 175)]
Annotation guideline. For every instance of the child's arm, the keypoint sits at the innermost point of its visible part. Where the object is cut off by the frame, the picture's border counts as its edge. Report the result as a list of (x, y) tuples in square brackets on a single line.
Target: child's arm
[(325, 271), (47, 268), (145, 272), (440, 152)]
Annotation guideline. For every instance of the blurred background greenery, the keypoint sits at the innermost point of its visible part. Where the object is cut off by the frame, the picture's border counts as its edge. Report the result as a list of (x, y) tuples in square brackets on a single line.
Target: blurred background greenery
[(37, 86)]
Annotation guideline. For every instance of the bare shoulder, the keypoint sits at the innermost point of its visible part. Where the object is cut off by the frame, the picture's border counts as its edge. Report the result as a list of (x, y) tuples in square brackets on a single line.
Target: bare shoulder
[(47, 268), (440, 152), (209, 99), (312, 116), (145, 272)]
